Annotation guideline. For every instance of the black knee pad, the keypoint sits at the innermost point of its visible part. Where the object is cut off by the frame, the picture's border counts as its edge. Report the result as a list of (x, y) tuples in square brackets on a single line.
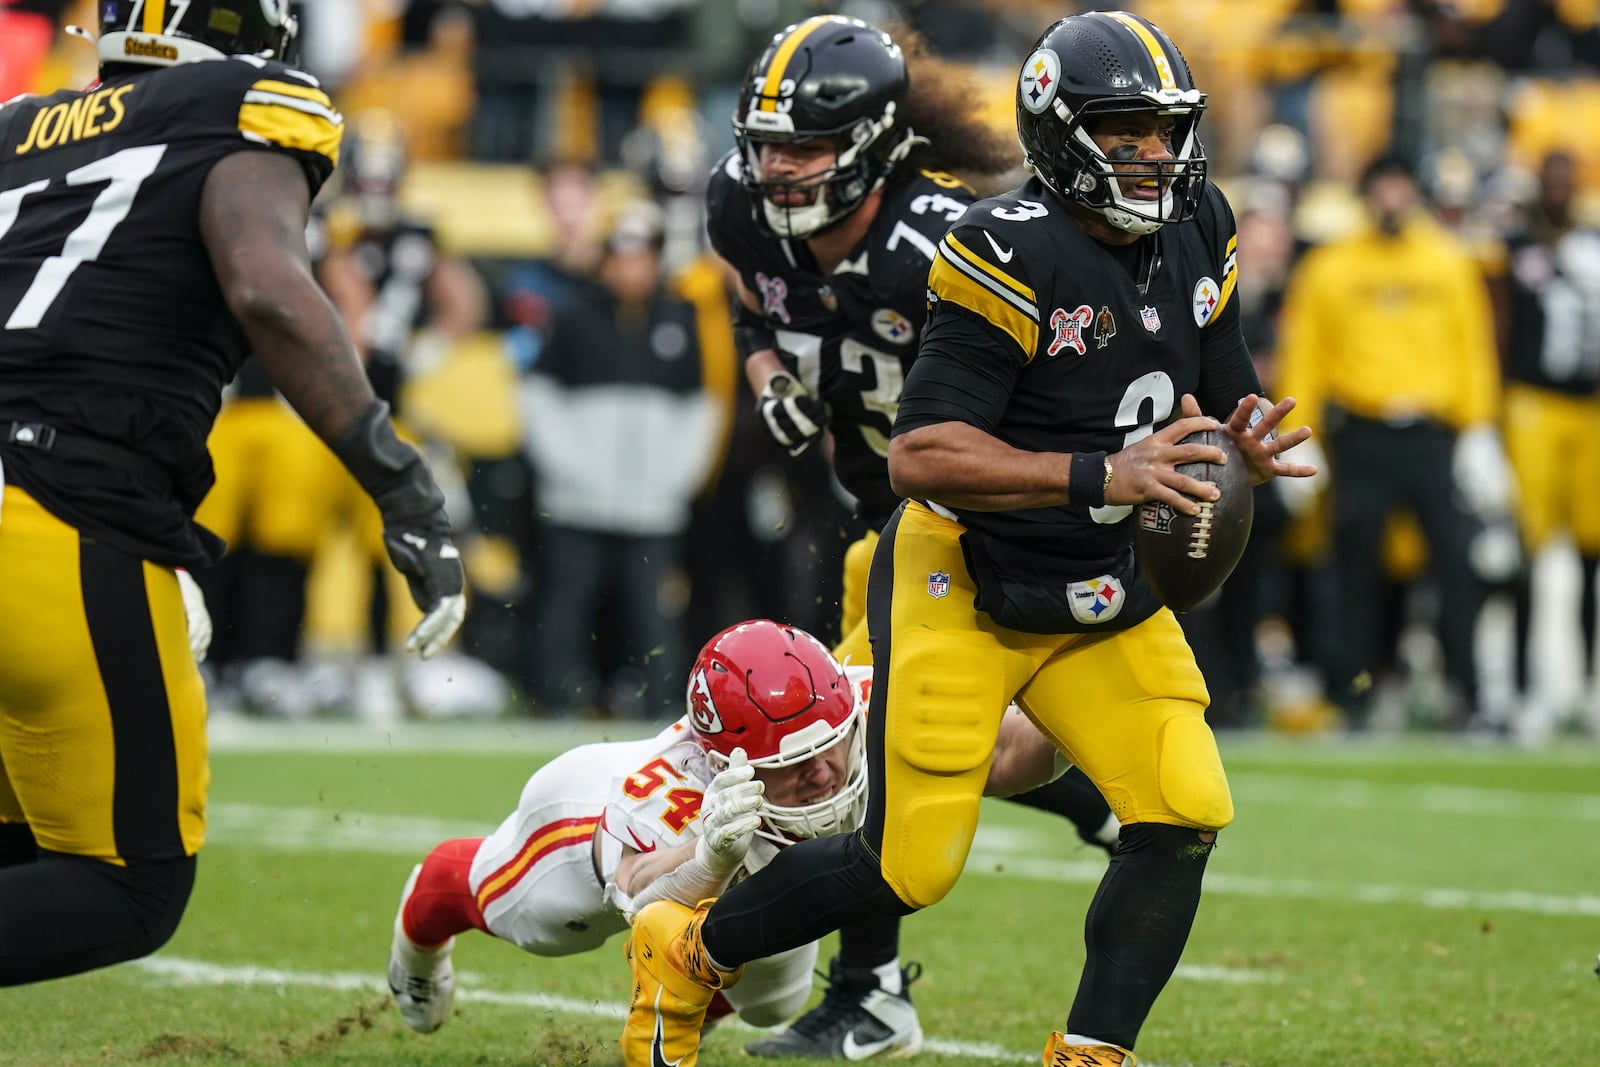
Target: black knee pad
[(62, 914), (1168, 842)]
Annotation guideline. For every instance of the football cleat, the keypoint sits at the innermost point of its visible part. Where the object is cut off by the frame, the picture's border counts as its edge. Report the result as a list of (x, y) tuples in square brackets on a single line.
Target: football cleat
[(856, 1020), (673, 985), (421, 979), (1057, 1053)]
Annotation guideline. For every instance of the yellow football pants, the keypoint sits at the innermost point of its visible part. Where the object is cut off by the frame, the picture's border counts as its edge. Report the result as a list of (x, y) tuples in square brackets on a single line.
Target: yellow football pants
[(853, 647), (1127, 707), (102, 711), (1553, 442)]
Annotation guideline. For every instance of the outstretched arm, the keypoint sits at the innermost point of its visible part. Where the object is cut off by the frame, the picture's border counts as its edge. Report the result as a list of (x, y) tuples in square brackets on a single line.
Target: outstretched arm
[(253, 214)]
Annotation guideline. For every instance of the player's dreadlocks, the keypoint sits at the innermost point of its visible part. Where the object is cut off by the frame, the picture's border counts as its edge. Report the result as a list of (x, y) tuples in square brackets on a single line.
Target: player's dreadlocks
[(941, 106)]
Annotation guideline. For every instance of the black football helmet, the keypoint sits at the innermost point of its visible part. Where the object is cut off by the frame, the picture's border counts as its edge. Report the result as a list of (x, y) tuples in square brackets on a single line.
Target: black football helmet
[(161, 33), (1102, 63), (828, 77)]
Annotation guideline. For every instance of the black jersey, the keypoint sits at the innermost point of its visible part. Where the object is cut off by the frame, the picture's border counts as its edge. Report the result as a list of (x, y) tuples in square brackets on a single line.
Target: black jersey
[(1555, 312), (1055, 342), (851, 335), (114, 335)]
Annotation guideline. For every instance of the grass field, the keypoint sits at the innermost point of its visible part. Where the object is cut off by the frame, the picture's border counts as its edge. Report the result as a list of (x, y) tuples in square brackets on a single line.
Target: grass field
[(1411, 903)]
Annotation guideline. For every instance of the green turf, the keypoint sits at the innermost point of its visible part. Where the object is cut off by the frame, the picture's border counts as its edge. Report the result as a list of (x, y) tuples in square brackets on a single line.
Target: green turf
[(1372, 906)]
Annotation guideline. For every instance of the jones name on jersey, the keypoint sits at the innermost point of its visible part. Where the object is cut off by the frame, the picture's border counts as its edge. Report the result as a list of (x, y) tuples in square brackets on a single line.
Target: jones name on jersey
[(113, 331)]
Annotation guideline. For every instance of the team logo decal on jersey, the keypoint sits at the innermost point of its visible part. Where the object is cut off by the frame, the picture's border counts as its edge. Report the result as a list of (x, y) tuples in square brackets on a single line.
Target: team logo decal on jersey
[(1096, 600), (938, 584), (829, 300), (1151, 318), (1206, 295), (1069, 327), (774, 292), (701, 709), (1039, 76), (892, 326), (1105, 327)]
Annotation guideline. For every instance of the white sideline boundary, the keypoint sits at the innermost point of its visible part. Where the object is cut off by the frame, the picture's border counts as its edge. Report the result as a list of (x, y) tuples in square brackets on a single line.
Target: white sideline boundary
[(234, 732), (189, 972)]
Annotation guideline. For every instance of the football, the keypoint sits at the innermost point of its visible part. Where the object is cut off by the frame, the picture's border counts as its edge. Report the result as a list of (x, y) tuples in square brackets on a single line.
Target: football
[(1186, 558)]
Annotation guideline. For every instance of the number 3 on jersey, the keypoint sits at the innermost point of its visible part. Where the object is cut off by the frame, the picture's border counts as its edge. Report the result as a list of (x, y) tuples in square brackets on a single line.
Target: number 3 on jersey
[(124, 172), (1154, 389)]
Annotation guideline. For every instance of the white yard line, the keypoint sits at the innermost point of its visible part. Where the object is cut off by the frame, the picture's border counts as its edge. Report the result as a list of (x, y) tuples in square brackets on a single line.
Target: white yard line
[(1000, 852), (1471, 801), (186, 972)]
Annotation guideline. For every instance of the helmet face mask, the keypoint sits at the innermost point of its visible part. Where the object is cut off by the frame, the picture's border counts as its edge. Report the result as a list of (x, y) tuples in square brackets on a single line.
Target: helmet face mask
[(163, 33), (779, 694), (827, 81), (1087, 69)]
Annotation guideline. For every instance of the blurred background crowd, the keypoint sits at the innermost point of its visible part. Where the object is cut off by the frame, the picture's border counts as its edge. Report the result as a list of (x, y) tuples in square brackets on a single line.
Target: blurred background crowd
[(515, 239)]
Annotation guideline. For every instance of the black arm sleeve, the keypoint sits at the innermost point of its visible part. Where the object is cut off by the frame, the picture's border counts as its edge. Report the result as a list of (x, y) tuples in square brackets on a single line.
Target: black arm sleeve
[(965, 371), (1227, 373), (751, 334)]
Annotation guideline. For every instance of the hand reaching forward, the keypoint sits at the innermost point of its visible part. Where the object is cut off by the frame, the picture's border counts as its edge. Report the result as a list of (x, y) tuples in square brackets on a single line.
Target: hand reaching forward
[(729, 815), (1255, 438)]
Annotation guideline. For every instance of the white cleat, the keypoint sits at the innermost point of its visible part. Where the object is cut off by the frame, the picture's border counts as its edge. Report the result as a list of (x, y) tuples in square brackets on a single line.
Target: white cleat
[(422, 981)]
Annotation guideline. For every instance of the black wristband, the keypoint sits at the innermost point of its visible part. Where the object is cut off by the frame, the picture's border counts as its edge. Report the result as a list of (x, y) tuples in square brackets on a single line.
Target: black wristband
[(1086, 483), (390, 471)]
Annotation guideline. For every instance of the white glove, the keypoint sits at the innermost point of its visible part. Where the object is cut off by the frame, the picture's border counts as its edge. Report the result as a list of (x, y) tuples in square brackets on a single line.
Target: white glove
[(729, 815), (194, 610), (794, 417), (1482, 473), (1299, 495), (437, 626)]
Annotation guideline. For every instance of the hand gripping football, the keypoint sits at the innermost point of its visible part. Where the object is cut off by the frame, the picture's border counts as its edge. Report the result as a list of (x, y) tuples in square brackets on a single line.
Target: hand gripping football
[(1186, 558)]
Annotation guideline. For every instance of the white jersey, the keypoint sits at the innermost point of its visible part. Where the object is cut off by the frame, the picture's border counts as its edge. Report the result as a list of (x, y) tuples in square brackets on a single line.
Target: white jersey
[(540, 881), (656, 803)]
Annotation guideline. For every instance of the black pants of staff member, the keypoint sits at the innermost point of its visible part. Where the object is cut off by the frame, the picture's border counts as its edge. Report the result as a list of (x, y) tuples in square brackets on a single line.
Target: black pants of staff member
[(577, 569), (1377, 468)]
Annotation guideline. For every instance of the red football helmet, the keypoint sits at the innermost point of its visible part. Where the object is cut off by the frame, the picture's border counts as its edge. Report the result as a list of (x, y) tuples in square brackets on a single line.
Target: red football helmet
[(778, 693)]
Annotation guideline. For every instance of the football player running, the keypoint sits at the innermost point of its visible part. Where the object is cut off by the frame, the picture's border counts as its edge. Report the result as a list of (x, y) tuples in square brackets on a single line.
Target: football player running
[(768, 752), (1071, 317), (152, 231), (828, 214)]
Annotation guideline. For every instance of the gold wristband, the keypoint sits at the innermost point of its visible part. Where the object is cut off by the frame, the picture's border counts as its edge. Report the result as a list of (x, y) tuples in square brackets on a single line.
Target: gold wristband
[(1106, 485)]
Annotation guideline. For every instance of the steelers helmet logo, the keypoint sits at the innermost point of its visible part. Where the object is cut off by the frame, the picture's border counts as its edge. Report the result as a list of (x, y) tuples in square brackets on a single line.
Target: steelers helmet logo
[(1039, 76)]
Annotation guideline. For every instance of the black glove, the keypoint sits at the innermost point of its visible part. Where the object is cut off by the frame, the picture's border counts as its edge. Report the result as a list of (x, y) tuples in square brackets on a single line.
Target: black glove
[(794, 417), (416, 531)]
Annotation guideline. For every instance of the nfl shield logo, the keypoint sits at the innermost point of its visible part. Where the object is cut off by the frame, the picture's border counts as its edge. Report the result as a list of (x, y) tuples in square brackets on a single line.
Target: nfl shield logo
[(1151, 317), (938, 584)]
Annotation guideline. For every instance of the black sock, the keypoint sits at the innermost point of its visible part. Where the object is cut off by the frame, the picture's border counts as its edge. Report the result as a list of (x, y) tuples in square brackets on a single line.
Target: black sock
[(1137, 926), (869, 943)]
